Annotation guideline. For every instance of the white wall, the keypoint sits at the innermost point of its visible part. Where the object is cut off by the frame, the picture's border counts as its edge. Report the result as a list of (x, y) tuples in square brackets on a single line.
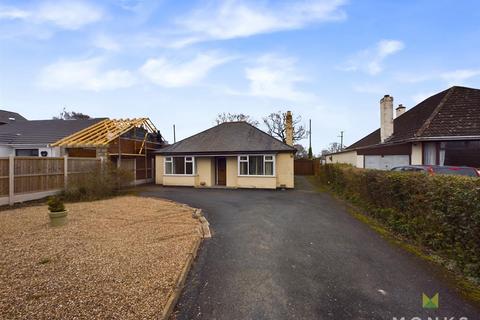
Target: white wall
[(6, 151), (348, 157), (360, 161)]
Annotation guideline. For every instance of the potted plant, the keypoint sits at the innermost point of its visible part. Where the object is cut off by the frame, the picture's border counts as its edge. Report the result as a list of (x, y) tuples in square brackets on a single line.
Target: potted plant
[(57, 214)]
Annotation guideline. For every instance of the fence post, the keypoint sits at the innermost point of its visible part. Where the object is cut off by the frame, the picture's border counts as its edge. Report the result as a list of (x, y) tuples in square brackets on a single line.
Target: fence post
[(65, 171), (11, 180)]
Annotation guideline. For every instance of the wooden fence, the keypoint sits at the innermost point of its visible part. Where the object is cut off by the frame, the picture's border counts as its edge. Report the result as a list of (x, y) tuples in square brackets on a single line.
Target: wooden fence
[(29, 178), (305, 167)]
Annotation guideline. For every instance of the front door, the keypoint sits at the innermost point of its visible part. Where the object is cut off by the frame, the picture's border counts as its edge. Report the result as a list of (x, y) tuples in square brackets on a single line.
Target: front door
[(221, 171)]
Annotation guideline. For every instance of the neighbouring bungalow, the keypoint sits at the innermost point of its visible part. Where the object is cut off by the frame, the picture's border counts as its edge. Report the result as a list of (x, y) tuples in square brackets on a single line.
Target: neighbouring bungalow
[(128, 143), (231, 154), (34, 138), (444, 129)]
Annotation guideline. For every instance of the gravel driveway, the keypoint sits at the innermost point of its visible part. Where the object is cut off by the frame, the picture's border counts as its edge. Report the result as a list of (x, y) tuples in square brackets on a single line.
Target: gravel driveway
[(298, 254)]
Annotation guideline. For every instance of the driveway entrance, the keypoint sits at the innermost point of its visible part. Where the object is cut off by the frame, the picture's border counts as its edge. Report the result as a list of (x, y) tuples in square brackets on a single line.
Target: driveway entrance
[(298, 254)]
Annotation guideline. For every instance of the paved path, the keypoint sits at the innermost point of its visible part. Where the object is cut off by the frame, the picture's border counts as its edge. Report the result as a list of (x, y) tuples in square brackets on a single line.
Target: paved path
[(298, 254)]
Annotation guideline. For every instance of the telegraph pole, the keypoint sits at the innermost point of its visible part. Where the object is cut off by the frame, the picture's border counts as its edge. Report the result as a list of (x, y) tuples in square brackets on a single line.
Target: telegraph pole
[(310, 153), (310, 134), (341, 140), (174, 137)]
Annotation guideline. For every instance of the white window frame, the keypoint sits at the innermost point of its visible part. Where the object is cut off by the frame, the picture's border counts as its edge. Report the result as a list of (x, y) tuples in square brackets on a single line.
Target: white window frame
[(169, 159), (248, 165)]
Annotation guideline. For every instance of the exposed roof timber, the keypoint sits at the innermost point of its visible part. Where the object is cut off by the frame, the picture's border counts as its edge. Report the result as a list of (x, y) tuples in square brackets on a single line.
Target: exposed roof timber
[(104, 132)]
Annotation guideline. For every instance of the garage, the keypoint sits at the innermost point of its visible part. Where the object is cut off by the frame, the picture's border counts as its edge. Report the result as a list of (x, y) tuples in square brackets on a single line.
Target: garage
[(386, 162)]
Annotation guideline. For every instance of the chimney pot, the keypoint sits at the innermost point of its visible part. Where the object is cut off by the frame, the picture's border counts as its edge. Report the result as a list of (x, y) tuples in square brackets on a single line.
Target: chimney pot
[(400, 110)]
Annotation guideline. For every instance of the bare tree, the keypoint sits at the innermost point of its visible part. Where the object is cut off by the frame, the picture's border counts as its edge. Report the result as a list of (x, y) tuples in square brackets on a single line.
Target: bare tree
[(332, 148), (301, 152), (232, 117), (71, 115), (275, 123)]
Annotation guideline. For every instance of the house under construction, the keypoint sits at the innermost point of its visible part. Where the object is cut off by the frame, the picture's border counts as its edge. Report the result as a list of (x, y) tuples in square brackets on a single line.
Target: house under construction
[(129, 143)]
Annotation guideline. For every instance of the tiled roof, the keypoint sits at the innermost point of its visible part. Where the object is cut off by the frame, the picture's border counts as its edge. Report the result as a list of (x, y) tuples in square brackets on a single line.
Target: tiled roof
[(454, 112), (228, 137), (9, 116), (41, 131)]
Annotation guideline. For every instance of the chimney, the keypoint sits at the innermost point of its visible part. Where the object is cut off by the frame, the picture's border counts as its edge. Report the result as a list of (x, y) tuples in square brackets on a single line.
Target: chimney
[(400, 110), (289, 129), (386, 117)]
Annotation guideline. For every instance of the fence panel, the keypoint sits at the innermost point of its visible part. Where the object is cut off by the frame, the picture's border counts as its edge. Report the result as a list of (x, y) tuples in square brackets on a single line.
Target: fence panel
[(305, 167), (29, 178), (4, 176), (79, 168), (38, 174)]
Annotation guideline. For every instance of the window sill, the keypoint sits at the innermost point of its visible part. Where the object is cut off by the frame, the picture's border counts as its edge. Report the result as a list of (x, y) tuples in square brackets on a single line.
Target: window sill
[(180, 175), (255, 176)]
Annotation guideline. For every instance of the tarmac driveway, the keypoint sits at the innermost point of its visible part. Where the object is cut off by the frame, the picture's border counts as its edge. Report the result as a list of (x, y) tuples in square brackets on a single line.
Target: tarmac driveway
[(298, 254)]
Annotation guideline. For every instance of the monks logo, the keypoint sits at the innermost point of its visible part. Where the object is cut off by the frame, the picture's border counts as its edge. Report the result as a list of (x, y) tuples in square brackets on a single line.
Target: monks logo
[(430, 303)]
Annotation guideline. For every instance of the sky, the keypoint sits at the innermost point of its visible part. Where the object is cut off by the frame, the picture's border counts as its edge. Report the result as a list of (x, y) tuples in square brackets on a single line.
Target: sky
[(183, 62)]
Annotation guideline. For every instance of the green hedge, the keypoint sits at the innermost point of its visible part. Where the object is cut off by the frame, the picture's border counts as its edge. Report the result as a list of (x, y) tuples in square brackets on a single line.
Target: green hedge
[(441, 213)]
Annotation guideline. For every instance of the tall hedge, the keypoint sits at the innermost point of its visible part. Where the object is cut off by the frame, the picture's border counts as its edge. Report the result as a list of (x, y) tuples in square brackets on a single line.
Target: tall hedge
[(441, 213)]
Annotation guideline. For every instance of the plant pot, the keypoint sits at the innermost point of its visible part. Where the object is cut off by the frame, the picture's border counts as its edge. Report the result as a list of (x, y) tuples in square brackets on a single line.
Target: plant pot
[(58, 218)]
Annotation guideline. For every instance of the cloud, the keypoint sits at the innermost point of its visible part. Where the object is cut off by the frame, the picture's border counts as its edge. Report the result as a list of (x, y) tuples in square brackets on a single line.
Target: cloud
[(452, 77), (234, 19), (371, 60), (11, 13), (372, 88), (458, 77), (419, 97), (275, 77), (70, 15), (170, 73), (84, 74), (105, 42)]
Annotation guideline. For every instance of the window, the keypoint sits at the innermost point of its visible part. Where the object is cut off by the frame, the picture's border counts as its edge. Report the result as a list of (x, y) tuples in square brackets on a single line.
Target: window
[(180, 165), (256, 165), (26, 152), (168, 165), (430, 153)]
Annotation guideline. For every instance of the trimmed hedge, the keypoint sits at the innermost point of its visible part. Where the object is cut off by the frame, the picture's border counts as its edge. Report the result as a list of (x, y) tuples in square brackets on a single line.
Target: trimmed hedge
[(441, 213)]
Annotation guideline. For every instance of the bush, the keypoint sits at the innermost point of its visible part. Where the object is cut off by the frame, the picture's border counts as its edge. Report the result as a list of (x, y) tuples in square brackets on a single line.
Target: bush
[(55, 204), (441, 213), (99, 184)]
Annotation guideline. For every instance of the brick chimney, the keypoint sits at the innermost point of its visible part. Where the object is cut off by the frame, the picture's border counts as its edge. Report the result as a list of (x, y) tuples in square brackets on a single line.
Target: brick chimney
[(400, 110), (386, 117), (289, 129)]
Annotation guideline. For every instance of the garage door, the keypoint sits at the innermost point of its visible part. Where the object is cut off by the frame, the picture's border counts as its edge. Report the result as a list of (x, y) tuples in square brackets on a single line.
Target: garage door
[(386, 162)]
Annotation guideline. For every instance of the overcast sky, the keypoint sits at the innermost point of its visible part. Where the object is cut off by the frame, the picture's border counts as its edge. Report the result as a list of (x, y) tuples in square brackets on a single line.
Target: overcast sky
[(182, 62)]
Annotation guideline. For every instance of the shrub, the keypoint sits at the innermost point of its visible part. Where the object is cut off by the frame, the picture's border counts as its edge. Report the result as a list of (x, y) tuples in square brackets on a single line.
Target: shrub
[(441, 213), (103, 182), (55, 204)]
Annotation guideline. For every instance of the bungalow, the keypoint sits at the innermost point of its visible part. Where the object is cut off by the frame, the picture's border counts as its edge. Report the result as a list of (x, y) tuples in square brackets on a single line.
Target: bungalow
[(444, 129), (22, 137), (231, 154), (128, 143)]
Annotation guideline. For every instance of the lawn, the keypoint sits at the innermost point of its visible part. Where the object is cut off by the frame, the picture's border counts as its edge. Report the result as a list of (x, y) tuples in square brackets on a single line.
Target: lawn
[(115, 258)]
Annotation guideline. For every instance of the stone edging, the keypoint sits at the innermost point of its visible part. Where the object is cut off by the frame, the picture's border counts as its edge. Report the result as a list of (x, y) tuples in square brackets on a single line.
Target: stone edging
[(204, 232)]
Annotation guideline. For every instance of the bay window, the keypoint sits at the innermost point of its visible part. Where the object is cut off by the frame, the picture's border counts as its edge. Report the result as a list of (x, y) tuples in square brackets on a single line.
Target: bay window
[(256, 165), (180, 165)]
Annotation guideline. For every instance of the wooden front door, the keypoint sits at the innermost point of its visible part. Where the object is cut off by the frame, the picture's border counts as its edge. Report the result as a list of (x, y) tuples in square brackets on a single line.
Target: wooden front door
[(221, 171)]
